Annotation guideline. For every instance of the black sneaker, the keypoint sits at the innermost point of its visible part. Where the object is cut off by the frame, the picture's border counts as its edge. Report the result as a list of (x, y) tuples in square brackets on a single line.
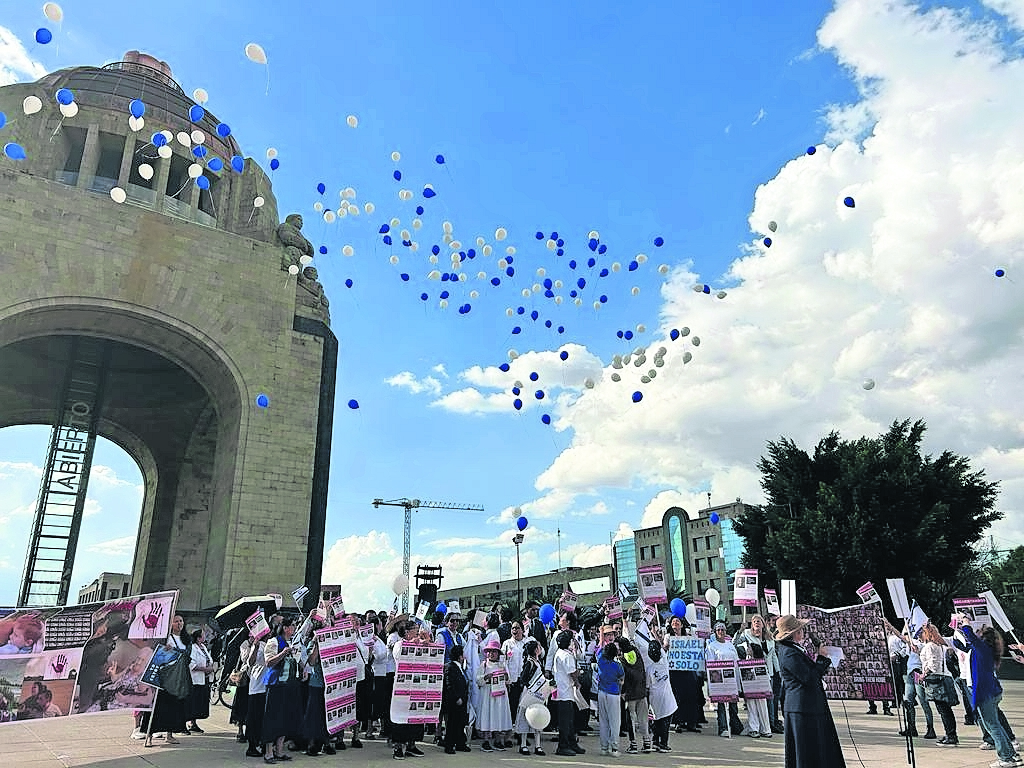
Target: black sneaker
[(539, 751), (486, 747), (414, 751), (356, 743), (399, 754)]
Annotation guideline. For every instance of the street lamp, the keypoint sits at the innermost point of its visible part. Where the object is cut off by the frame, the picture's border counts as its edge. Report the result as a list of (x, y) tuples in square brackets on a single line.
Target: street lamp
[(517, 540)]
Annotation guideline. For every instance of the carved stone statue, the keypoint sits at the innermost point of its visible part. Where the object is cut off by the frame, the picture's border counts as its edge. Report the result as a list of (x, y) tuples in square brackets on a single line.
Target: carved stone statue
[(289, 234)]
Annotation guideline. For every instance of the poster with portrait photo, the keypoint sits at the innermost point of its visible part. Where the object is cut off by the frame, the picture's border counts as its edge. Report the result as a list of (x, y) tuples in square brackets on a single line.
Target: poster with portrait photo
[(859, 630), (45, 698), (12, 677), (120, 684), (652, 584), (722, 681), (60, 664), (22, 632), (754, 679), (151, 616), (744, 591)]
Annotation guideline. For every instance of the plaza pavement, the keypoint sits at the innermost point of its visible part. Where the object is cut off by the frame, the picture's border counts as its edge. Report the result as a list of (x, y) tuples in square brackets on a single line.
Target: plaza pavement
[(103, 741)]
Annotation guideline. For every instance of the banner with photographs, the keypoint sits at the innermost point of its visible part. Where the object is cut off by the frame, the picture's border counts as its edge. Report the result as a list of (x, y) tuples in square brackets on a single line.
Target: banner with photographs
[(974, 608), (867, 593), (652, 584), (771, 602), (339, 658), (754, 679), (80, 659), (702, 611), (722, 682), (419, 674), (859, 630), (612, 608), (685, 654), (744, 590)]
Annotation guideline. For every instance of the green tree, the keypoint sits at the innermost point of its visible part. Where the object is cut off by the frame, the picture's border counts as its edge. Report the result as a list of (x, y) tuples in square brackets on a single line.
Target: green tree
[(1001, 575), (869, 509)]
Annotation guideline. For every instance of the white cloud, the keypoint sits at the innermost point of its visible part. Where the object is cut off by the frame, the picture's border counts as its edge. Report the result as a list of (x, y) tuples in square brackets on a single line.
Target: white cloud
[(20, 470), (899, 288), (107, 477), (123, 547), (16, 64), (406, 380), (440, 370), (624, 531), (761, 115), (585, 555), (92, 507)]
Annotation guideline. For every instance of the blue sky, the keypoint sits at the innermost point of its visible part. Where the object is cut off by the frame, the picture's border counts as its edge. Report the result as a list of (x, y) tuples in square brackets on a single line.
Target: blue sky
[(646, 121)]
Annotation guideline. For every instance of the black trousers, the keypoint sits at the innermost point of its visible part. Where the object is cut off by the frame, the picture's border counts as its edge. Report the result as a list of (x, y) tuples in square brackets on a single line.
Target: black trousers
[(254, 721), (659, 731), (948, 718), (566, 724), (455, 722)]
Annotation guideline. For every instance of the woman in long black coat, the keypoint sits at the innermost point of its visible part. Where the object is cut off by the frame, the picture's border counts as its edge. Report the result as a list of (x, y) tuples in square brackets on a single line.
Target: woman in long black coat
[(811, 737)]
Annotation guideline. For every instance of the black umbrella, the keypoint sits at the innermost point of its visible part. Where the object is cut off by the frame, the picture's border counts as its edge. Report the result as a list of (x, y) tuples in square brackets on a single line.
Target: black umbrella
[(235, 614)]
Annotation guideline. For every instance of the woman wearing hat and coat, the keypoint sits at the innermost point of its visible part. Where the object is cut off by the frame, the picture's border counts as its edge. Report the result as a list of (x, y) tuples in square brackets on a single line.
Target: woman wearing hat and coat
[(811, 737), (494, 718)]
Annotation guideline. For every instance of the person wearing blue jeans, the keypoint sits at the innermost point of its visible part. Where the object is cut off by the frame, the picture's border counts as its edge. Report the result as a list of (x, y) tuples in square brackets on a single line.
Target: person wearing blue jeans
[(986, 651), (915, 692)]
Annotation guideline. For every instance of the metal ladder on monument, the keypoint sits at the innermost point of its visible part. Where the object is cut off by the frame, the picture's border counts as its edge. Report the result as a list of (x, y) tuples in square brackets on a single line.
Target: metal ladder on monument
[(61, 502)]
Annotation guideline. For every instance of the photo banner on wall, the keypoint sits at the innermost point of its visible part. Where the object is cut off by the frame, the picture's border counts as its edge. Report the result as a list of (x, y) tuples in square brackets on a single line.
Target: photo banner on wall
[(79, 659), (863, 672)]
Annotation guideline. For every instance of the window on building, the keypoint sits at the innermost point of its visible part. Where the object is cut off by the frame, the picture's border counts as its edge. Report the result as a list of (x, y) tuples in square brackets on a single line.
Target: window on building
[(654, 551), (179, 185), (707, 543), (109, 167), (206, 196), (715, 584), (696, 544), (134, 177), (702, 586), (114, 593), (696, 564), (712, 563), (74, 148), (643, 553)]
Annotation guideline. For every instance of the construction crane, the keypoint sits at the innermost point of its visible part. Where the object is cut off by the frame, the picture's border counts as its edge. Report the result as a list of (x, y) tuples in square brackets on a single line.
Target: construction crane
[(410, 505)]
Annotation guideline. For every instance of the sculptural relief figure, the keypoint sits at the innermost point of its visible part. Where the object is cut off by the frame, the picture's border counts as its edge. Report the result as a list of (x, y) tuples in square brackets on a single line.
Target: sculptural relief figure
[(289, 234)]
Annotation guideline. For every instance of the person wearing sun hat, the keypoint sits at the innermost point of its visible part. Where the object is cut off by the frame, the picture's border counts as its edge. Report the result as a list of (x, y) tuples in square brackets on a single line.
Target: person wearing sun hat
[(810, 733), (494, 719)]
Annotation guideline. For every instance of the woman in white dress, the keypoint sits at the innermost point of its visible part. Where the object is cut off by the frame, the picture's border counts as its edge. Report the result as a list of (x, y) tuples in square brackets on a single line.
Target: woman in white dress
[(532, 678), (494, 720)]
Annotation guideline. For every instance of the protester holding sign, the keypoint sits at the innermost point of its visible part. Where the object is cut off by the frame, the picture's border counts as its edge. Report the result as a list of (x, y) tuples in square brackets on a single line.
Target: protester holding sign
[(686, 662), (283, 716), (721, 650), (168, 714), (811, 737), (754, 643), (938, 682), (634, 694), (494, 719)]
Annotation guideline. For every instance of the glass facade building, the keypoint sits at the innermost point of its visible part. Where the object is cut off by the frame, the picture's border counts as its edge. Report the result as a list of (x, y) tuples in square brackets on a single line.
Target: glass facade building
[(625, 563)]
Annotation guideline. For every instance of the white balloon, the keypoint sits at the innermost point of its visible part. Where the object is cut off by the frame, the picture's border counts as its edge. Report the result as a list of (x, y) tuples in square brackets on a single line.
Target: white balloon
[(721, 294), (446, 227), (481, 275), (200, 96), (53, 12), (593, 235), (588, 383), (455, 245), (349, 193), (617, 359), (696, 341), (254, 52), (416, 223), (400, 583), (512, 354), (146, 171), (70, 110), (352, 121), (541, 271), (135, 124), (369, 208), (396, 156), (487, 250), (474, 294), (500, 233), (447, 239), (635, 290), (558, 284), (551, 244), (691, 614), (271, 153), (443, 303), (509, 311), (118, 195), (597, 305), (641, 258), (258, 202), (318, 206), (510, 250), (347, 250), (393, 259), (184, 139), (293, 269), (463, 277), (687, 357), (616, 377), (578, 301), (645, 380), (659, 362), (641, 328), (558, 300), (434, 274), (652, 373), (329, 217), (713, 597), (518, 384), (616, 266), (31, 105), (432, 259), (868, 384), (198, 137), (480, 241), (305, 259), (538, 716), (165, 151), (663, 270), (353, 210), (684, 331), (195, 171)]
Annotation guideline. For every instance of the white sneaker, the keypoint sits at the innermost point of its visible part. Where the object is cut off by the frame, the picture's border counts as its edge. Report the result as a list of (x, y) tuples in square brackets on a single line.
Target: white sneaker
[(605, 752), (986, 745), (725, 734), (138, 735), (615, 753), (1004, 764)]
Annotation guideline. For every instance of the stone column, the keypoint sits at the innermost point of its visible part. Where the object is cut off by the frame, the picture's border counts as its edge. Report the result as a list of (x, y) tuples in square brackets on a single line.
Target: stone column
[(90, 157)]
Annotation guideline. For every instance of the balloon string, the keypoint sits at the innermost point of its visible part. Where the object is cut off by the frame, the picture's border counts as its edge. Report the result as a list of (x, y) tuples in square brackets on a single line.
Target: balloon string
[(56, 130), (268, 78)]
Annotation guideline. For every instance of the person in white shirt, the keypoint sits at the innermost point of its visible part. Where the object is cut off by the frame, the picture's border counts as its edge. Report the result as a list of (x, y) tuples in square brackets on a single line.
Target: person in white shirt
[(566, 676), (720, 648), (201, 668), (512, 653)]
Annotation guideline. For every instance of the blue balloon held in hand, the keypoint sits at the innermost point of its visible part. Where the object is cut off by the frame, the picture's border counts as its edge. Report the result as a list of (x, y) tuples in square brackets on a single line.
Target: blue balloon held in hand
[(547, 613), (353, 404), (65, 96), (678, 608), (521, 523), (196, 113), (43, 36)]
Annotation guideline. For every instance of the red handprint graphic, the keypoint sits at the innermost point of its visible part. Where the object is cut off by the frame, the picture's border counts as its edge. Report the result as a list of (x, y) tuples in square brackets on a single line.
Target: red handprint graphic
[(151, 620), (59, 664)]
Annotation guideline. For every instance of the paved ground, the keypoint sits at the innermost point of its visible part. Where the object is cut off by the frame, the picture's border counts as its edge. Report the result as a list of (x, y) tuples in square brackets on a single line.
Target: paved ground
[(102, 740)]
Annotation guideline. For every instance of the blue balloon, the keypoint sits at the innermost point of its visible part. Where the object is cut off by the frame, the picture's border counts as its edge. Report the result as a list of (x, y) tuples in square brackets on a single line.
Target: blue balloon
[(439, 159), (445, 277), (534, 315), (384, 229), (603, 299), (428, 192), (3, 119), (572, 263), (43, 36), (673, 334), (199, 151), (520, 310), (658, 242), (348, 282), (321, 187), (516, 391), (215, 164), (495, 281), (471, 253), (849, 202), (573, 293), (559, 242), (445, 294), (591, 261), (554, 236), (714, 518), (581, 283), (634, 265), (638, 396), (510, 271), (534, 376), (706, 288), (767, 242), (441, 608), (547, 613), (14, 151), (547, 323), (504, 367), (223, 130), (353, 404), (517, 404), (560, 252), (561, 329), (811, 150), (275, 164), (158, 140), (397, 175), (678, 608), (509, 259), (323, 250), (592, 244), (545, 418), (521, 523), (516, 331), (202, 182), (549, 294), (387, 239), (65, 97), (563, 355), (602, 249), (419, 210), (196, 113), (423, 297), (405, 277), (628, 335), (619, 334), (435, 250), (603, 273), (1000, 272), (539, 235), (548, 283), (238, 163), (262, 400)]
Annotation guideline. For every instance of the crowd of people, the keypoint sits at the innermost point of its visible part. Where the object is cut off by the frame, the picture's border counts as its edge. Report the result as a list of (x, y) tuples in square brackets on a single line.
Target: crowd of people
[(510, 679)]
